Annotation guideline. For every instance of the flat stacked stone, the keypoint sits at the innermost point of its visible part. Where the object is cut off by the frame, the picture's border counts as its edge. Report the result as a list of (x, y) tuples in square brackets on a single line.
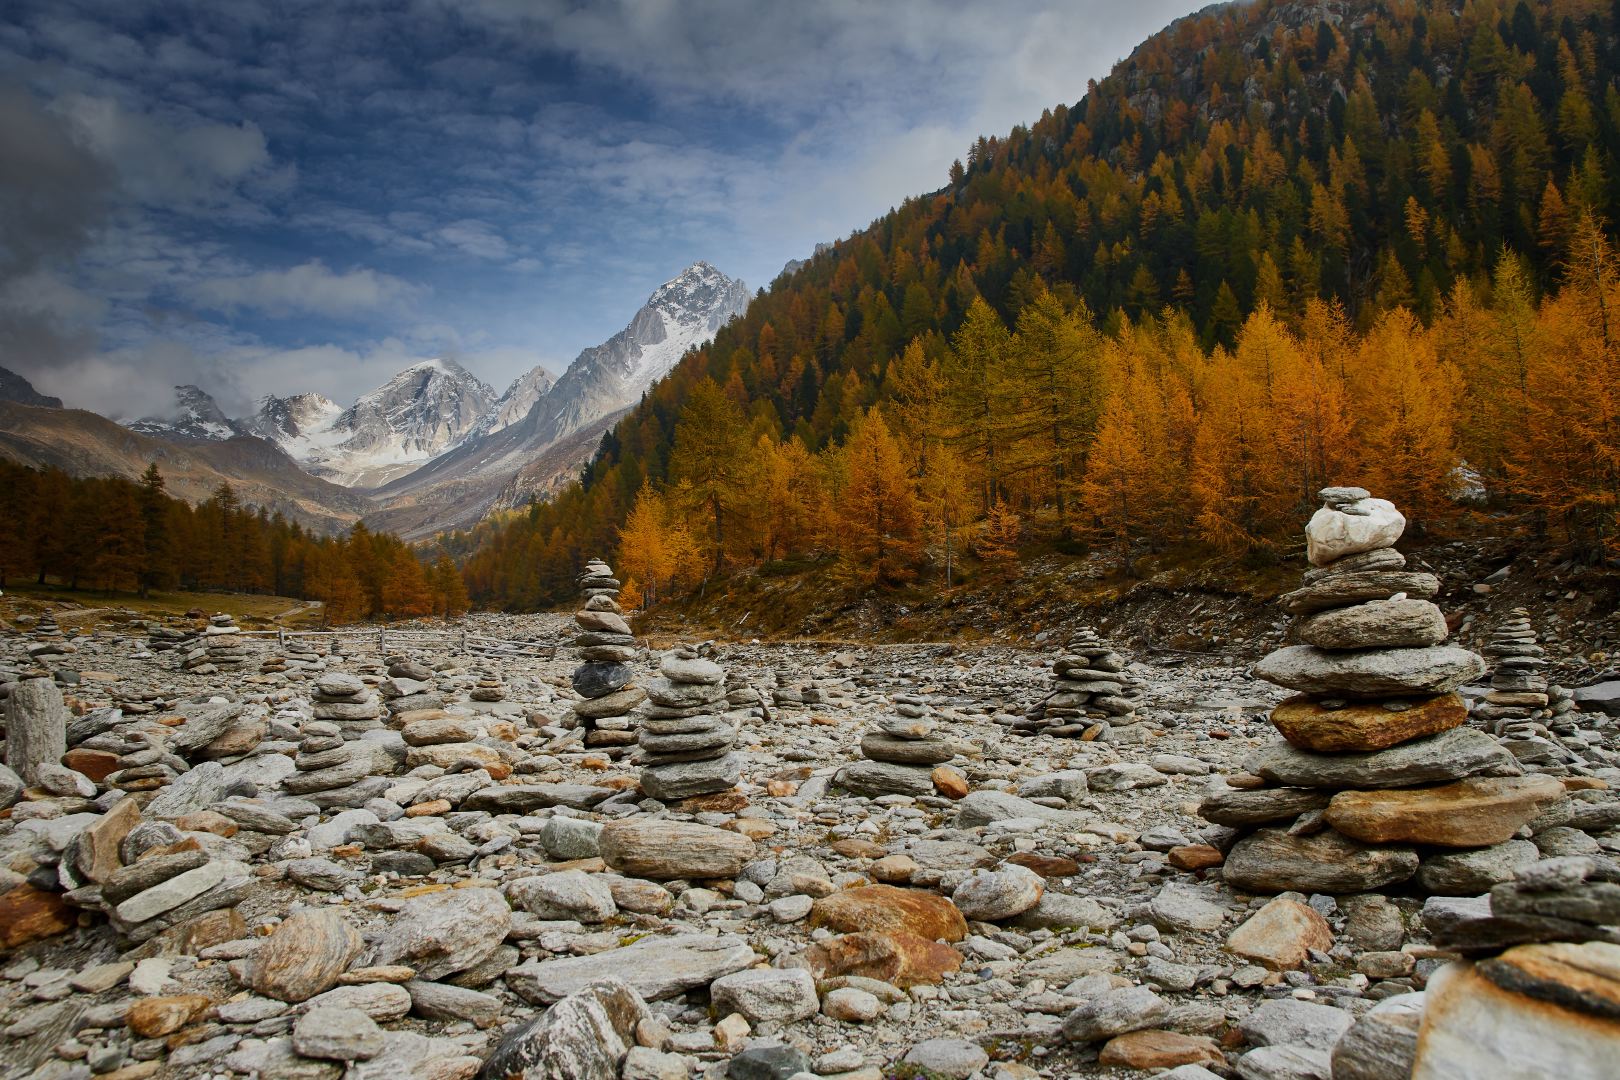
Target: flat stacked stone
[(1534, 719), (410, 686), (336, 772), (604, 682), (347, 703), (49, 643), (273, 665), (900, 755), (686, 744), (786, 692), (489, 688), (1090, 692), (1570, 898), (224, 643), (161, 878), (1375, 774), (165, 638)]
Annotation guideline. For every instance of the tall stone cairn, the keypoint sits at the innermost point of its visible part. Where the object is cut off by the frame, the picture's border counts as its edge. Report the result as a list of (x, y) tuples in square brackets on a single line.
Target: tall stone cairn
[(1522, 708), (1375, 764), (686, 744), (607, 694), (900, 754), (1089, 691)]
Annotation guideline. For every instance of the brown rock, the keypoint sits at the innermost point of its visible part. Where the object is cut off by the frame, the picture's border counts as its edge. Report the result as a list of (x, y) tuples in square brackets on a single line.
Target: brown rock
[(304, 956), (27, 914), (664, 850), (98, 845), (1048, 866), (428, 809), (897, 958), (207, 821), (1194, 857), (1153, 1049), (1585, 977), (1364, 726), (1280, 935), (95, 764), (1477, 812), (886, 909), (155, 1017), (856, 848), (210, 928), (949, 782), (893, 869)]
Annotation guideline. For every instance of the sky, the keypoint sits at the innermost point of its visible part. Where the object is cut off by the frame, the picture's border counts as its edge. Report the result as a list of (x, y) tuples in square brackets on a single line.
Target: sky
[(309, 195)]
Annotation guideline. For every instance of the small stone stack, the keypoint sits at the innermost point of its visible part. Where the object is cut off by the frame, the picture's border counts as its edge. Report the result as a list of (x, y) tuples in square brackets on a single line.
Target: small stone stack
[(164, 878), (1345, 803), (1518, 684), (740, 693), (347, 703), (410, 685), (786, 692), (686, 746), (335, 772), (900, 755), (166, 638), (227, 650), (607, 695), (273, 665), (49, 644), (489, 688), (1090, 690), (1566, 898)]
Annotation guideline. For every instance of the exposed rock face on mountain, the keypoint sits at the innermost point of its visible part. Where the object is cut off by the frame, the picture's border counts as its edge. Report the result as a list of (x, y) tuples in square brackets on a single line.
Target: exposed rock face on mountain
[(519, 398), (13, 387), (415, 416), (197, 417), (510, 462)]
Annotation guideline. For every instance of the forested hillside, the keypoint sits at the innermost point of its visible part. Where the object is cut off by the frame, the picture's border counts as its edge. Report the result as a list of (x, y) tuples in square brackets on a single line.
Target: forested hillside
[(1283, 244), (114, 534)]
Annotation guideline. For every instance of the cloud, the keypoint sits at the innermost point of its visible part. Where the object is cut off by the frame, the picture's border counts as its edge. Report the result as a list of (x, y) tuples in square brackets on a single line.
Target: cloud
[(311, 288), (53, 192)]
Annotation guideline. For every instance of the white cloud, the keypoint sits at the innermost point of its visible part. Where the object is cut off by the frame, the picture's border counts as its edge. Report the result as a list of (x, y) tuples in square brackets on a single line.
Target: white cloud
[(311, 288)]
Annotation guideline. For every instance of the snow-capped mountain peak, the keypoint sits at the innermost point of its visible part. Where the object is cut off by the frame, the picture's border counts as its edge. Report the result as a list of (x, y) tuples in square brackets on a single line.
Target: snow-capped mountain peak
[(197, 418), (518, 400)]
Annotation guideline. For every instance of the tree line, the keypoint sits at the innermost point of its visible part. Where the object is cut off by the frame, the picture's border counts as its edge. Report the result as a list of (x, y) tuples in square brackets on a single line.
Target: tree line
[(1266, 249), (113, 534)]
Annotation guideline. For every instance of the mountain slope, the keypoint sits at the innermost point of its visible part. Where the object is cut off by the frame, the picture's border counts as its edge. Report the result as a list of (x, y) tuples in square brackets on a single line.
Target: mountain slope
[(83, 444), (455, 489), (13, 387), (1266, 153)]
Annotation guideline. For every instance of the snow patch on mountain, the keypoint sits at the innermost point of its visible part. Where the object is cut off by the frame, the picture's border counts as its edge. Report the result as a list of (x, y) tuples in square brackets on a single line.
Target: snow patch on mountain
[(197, 417), (519, 398)]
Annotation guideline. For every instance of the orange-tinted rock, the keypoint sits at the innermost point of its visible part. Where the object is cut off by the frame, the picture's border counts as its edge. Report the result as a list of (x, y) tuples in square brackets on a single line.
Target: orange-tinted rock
[(98, 845), (27, 914), (900, 959), (1280, 935), (428, 809), (1048, 866), (886, 909), (154, 1017), (949, 782), (96, 764), (893, 869), (1194, 857), (856, 848), (1476, 812), (207, 821), (1153, 1049), (1364, 726)]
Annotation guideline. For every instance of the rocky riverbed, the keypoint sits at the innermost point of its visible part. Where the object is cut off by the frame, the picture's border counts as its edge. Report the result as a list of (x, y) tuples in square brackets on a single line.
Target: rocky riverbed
[(301, 863)]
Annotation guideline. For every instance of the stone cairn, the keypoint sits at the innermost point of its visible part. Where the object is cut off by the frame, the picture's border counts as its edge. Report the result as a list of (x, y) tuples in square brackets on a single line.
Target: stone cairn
[(347, 703), (160, 878), (686, 745), (901, 754), (336, 772), (160, 639), (604, 681), (1375, 764), (221, 648), (1090, 690), (1522, 708), (411, 685), (49, 644), (489, 688)]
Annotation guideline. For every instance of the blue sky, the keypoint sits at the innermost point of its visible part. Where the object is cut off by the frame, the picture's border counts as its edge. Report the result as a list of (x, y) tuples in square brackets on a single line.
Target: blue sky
[(305, 195)]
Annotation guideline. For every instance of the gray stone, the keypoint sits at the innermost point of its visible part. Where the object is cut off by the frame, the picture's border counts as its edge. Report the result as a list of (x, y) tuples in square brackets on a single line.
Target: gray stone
[(407, 1054), (1358, 587), (778, 1062), (175, 891), (1178, 907), (766, 994), (1286, 1022), (1271, 861), (1375, 624), (1115, 1012), (987, 807), (191, 791), (442, 933), (1469, 873), (880, 747), (691, 670), (1371, 673), (876, 778), (598, 680), (656, 968), (997, 895), (338, 1034), (584, 1036), (1261, 806), (568, 894), (1285, 1063), (441, 1001), (1382, 1044), (682, 780), (36, 727), (304, 957), (570, 838), (1451, 755), (955, 1059)]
